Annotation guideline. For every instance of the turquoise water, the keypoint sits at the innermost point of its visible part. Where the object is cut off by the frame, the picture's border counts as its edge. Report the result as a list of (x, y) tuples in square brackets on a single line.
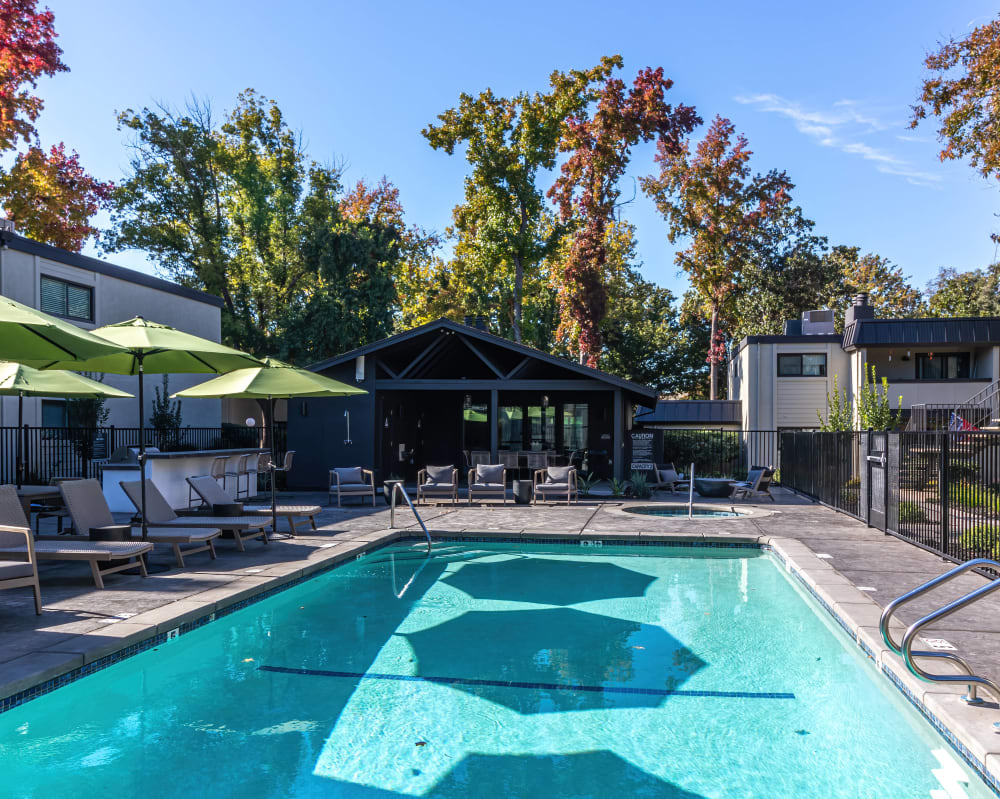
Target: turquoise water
[(677, 510), (503, 671)]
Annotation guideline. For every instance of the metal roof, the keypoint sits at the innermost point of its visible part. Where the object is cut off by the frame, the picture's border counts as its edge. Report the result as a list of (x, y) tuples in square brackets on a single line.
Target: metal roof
[(692, 412), (922, 332), (32, 247), (644, 393)]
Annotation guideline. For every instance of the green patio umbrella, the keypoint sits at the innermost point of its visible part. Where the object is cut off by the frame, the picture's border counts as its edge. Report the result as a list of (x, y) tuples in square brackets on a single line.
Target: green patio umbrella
[(273, 380), (22, 381), (37, 339), (151, 347)]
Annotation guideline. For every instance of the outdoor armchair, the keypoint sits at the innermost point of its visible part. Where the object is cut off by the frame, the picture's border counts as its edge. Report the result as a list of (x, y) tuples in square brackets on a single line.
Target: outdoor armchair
[(160, 514), (351, 481), (556, 482), (488, 480), (438, 482), (120, 555), (88, 508), (758, 483), (211, 493), (666, 476), (20, 571)]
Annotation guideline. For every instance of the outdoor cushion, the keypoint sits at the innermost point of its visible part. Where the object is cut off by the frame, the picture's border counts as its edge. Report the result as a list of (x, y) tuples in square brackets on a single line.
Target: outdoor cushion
[(489, 473), (10, 571), (350, 476), (489, 486), (557, 474), (427, 487), (350, 488), (440, 475), (553, 487)]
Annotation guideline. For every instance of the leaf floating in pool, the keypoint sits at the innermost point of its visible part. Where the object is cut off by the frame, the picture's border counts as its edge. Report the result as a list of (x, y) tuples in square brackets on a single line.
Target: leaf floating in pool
[(638, 647), (416, 772), (248, 660), (421, 743), (802, 732)]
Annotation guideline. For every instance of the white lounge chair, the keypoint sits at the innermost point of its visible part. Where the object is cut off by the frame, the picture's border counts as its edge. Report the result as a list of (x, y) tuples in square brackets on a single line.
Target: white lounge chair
[(555, 483), (88, 508), (351, 482), (121, 555), (160, 514), (211, 493)]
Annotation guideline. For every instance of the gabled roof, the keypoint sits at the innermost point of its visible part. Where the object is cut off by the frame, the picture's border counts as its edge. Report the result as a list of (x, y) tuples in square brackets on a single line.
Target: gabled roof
[(983, 330), (692, 412), (512, 358)]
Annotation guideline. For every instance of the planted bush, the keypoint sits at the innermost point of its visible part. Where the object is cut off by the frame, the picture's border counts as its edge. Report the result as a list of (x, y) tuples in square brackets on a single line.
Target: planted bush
[(911, 512), (983, 539), (973, 495), (640, 485)]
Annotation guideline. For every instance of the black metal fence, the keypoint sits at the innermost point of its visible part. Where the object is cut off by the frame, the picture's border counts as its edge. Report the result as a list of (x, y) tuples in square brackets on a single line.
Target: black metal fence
[(721, 453), (80, 452), (942, 489)]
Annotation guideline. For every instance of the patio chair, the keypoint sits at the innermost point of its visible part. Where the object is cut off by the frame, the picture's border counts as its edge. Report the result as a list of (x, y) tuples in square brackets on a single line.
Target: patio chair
[(488, 480), (555, 482), (160, 514), (666, 476), (18, 573), (120, 555), (439, 482), (52, 509), (758, 482), (211, 494), (351, 482), (479, 456), (88, 508)]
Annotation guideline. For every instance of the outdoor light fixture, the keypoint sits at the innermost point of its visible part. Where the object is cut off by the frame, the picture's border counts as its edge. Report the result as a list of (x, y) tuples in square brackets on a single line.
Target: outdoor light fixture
[(545, 400), (347, 416), (468, 400)]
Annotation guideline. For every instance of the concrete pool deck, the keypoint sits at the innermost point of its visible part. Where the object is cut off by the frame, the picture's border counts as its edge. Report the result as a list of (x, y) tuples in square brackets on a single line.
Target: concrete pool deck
[(853, 570)]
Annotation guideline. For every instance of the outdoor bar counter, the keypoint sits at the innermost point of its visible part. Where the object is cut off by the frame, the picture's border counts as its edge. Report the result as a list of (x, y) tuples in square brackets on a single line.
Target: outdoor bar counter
[(168, 470)]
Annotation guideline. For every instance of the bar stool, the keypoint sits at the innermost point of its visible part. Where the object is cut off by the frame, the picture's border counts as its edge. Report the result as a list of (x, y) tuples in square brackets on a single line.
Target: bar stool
[(287, 465), (264, 468), (241, 475), (218, 470)]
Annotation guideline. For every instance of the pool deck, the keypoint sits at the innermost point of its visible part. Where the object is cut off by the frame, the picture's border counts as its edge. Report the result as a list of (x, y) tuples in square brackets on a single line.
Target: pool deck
[(851, 569)]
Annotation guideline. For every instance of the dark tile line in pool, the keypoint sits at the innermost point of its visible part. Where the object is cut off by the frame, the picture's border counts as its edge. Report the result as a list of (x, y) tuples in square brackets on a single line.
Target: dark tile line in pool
[(608, 542), (545, 686)]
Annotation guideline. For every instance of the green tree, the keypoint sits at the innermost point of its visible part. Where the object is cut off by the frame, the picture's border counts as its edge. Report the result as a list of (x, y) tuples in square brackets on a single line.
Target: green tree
[(503, 233), (972, 293), (888, 288), (726, 214)]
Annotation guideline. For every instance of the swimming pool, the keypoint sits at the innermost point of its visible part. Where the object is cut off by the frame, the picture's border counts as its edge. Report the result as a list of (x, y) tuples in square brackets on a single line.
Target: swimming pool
[(681, 511), (504, 670)]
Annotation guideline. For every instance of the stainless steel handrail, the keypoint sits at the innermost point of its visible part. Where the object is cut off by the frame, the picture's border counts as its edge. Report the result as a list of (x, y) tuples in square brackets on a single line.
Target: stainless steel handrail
[(392, 562), (392, 510), (905, 647)]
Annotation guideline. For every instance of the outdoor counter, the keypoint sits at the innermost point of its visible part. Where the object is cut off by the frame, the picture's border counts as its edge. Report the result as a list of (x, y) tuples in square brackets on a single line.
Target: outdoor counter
[(169, 470)]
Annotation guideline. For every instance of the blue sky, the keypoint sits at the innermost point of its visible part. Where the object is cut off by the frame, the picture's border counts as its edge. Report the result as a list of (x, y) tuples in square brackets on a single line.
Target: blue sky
[(821, 90)]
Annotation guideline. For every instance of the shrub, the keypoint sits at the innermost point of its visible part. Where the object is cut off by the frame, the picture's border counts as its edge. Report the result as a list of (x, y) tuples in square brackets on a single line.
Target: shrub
[(640, 485), (911, 512), (963, 470), (972, 495), (983, 539), (617, 487), (585, 483)]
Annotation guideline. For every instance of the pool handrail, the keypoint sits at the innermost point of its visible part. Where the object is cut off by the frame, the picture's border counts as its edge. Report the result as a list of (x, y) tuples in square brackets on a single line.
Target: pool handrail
[(904, 648), (398, 486)]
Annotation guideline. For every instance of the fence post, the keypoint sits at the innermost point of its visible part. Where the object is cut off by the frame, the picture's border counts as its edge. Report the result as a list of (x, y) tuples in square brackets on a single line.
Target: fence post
[(943, 491)]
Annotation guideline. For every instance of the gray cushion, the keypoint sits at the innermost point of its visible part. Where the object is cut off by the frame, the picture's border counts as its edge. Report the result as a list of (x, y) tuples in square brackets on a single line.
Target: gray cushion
[(350, 475), (428, 487), (488, 486), (437, 475), (351, 488), (11, 571), (557, 474), (489, 473), (553, 487)]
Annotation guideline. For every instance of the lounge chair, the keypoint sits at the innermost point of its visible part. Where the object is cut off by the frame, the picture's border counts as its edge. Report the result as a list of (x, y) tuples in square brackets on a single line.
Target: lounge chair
[(88, 508), (120, 555), (351, 482), (160, 514), (438, 482), (488, 480), (16, 573), (666, 476), (211, 493), (556, 482), (758, 482)]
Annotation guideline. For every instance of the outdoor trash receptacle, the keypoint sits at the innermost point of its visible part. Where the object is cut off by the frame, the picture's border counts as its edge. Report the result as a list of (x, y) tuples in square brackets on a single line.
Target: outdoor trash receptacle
[(227, 509), (522, 491), (111, 532)]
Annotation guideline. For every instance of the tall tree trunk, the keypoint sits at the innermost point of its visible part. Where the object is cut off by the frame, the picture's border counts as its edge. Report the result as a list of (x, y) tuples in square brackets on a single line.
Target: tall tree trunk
[(712, 366), (518, 291)]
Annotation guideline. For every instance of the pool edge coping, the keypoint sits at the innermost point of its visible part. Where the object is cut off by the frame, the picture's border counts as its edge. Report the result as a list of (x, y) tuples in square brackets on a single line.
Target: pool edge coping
[(938, 703)]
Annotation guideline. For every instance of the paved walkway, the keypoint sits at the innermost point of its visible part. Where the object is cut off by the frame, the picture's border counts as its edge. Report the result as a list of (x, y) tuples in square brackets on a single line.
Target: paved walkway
[(81, 623)]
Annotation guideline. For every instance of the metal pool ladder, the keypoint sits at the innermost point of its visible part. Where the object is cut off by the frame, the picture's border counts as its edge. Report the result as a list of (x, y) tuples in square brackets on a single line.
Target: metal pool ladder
[(398, 487), (905, 648)]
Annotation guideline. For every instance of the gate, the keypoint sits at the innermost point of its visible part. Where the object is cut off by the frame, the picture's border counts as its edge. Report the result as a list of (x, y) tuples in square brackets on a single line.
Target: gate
[(876, 458)]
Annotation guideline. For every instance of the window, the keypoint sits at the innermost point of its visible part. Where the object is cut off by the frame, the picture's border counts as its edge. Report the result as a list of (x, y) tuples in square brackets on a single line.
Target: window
[(53, 413), (575, 425), (811, 365), (943, 366), (66, 299)]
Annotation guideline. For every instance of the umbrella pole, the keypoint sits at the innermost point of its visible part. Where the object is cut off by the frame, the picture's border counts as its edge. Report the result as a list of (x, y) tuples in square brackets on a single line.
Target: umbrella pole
[(274, 502), (19, 461), (142, 451)]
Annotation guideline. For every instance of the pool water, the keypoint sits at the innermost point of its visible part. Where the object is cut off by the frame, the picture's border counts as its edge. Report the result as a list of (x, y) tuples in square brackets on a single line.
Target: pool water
[(502, 671), (674, 511)]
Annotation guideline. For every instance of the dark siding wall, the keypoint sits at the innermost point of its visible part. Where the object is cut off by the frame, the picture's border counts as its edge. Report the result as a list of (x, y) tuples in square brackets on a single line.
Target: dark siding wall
[(318, 437)]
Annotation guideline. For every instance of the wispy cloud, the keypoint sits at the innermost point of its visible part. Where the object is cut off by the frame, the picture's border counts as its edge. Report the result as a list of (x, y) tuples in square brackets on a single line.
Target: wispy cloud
[(841, 127)]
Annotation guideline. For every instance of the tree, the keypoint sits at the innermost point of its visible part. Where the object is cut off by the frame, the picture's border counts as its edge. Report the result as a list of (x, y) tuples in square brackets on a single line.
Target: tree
[(964, 93), (502, 230), (51, 198), (889, 290), (27, 52), (973, 293), (712, 200), (587, 190)]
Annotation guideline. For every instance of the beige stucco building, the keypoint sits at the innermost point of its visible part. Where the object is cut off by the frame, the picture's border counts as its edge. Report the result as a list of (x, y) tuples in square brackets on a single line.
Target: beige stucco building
[(90, 293)]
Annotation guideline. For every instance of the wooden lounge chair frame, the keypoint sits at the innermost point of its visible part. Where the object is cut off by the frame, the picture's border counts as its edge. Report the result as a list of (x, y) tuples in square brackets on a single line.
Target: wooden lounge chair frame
[(211, 493), (10, 537), (486, 489), (571, 490), (437, 490), (363, 489)]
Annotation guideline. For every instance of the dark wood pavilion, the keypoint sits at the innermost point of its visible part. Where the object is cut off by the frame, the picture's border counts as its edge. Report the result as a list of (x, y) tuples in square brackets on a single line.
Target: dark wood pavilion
[(446, 392)]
